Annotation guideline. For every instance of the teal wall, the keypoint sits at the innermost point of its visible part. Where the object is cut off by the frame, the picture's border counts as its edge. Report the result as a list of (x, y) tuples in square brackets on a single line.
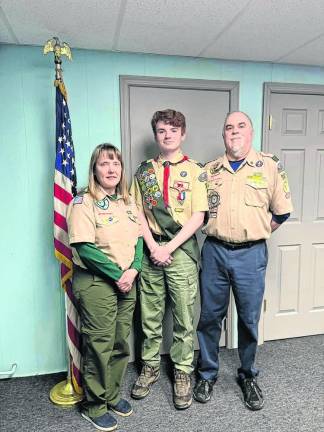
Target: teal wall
[(32, 306)]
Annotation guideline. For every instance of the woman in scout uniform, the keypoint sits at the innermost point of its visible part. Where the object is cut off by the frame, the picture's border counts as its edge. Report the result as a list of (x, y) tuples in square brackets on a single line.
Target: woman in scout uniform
[(107, 255)]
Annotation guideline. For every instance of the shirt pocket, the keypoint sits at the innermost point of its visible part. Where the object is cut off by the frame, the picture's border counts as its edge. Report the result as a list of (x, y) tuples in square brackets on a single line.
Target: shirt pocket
[(106, 219), (256, 195)]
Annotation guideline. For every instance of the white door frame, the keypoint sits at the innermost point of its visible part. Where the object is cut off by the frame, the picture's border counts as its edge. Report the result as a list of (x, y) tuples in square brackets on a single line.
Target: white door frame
[(125, 84)]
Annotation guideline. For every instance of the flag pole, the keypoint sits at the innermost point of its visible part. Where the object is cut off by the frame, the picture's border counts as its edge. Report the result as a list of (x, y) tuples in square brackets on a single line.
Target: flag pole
[(66, 393)]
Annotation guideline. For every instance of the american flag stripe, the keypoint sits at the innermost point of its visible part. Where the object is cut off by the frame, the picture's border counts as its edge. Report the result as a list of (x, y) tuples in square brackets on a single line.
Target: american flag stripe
[(63, 250), (60, 221), (64, 191), (62, 195)]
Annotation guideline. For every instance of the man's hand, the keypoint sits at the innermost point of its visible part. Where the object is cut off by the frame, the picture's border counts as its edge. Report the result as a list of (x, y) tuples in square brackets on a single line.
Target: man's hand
[(126, 281), (161, 256)]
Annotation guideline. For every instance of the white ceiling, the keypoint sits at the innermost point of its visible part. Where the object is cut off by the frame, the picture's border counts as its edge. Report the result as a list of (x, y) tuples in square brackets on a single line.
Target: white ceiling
[(282, 31)]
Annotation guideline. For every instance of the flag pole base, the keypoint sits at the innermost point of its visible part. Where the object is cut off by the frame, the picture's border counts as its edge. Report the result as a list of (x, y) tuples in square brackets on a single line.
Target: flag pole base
[(63, 394)]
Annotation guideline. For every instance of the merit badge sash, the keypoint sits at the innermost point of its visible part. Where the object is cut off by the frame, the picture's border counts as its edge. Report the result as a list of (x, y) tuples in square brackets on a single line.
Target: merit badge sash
[(153, 199)]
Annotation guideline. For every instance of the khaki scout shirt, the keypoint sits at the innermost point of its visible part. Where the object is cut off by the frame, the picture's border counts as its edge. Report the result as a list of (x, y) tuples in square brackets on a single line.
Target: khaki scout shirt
[(241, 203), (187, 190), (110, 224)]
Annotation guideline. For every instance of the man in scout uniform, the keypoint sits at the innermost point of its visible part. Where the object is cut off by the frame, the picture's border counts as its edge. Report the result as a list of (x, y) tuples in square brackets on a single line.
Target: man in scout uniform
[(248, 197), (170, 192)]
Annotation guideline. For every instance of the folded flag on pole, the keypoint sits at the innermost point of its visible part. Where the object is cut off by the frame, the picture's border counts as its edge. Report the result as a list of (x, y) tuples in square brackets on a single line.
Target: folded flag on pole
[(64, 191)]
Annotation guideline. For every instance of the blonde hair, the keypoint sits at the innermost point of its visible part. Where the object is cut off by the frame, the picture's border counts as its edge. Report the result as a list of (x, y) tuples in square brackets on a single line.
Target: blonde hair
[(93, 185)]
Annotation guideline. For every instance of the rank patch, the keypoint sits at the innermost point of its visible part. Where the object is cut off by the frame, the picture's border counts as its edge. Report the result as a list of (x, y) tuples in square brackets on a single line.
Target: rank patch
[(259, 163)]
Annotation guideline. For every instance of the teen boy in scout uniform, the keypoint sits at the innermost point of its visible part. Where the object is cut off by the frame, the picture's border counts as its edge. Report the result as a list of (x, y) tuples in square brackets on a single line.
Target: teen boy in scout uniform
[(170, 192), (249, 197)]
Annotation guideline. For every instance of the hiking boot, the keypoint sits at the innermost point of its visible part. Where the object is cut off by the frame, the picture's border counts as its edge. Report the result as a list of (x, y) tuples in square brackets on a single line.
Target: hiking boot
[(252, 393), (105, 422), (142, 386), (182, 389), (203, 390), (122, 408)]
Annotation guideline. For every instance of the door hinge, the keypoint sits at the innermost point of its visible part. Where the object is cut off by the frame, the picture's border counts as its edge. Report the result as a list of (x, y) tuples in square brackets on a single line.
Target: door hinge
[(270, 122), (264, 305)]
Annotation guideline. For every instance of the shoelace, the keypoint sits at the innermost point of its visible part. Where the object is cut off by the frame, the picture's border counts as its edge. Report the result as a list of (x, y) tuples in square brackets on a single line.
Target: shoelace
[(253, 387), (182, 380)]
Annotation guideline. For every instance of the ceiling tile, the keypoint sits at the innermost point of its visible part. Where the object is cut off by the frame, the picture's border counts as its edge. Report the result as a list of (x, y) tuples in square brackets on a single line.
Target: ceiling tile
[(269, 29), (180, 27), (82, 24)]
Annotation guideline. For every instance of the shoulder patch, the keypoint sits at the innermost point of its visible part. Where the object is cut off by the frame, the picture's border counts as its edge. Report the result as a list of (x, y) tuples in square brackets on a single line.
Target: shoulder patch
[(195, 162), (78, 199)]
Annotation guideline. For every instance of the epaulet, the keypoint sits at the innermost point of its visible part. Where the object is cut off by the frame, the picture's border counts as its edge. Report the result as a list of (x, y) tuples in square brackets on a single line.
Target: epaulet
[(196, 162), (270, 155), (145, 162)]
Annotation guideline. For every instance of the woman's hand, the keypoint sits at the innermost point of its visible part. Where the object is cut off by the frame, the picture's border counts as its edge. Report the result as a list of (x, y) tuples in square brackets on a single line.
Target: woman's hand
[(126, 281)]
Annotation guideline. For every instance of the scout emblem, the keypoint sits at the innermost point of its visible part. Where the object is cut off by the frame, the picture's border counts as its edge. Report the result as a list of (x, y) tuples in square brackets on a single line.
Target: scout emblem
[(103, 204), (181, 187), (258, 163), (213, 202)]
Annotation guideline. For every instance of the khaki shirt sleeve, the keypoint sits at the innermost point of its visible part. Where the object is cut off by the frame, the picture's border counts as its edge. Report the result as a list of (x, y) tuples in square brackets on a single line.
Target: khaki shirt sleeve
[(81, 221), (199, 191), (136, 194), (281, 198)]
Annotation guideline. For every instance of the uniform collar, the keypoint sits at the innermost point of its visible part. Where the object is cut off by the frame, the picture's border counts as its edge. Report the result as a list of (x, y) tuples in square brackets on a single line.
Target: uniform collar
[(251, 158), (102, 195), (177, 158)]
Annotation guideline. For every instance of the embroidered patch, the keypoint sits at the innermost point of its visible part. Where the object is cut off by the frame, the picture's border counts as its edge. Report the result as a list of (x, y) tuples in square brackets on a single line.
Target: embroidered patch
[(180, 186), (213, 202), (78, 200), (258, 163), (257, 180), (285, 182), (215, 168), (213, 199), (183, 173), (280, 167), (275, 158), (202, 177), (103, 204), (178, 210)]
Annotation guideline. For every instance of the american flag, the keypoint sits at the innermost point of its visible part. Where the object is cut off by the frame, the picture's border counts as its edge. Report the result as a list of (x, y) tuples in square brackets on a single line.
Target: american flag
[(64, 191)]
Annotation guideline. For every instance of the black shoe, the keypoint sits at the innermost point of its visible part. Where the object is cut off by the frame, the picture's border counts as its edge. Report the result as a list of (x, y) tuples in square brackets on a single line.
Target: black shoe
[(252, 393), (203, 390)]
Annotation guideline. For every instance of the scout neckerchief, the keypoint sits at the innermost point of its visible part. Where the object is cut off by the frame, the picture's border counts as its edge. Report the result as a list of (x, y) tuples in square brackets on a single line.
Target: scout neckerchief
[(166, 175), (152, 198)]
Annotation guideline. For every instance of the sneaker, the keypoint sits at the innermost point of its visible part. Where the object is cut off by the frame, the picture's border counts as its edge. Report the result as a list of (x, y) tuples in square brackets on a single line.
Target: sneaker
[(142, 386), (252, 393), (182, 389), (106, 422), (203, 390), (122, 408)]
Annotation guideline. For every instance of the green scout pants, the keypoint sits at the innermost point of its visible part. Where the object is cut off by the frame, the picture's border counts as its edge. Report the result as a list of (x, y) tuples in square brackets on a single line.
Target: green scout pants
[(180, 280), (106, 318)]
